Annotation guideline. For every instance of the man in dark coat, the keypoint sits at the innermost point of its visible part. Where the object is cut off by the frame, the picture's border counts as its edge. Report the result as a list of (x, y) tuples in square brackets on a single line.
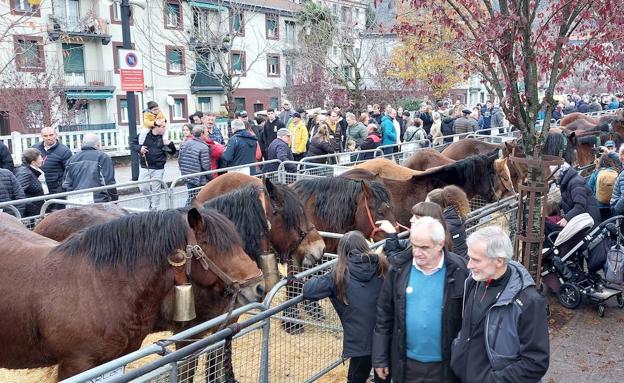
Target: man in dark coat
[(6, 161), (195, 158), (269, 132), (419, 306), (55, 156), (241, 148), (91, 168), (504, 332), (153, 157), (280, 150)]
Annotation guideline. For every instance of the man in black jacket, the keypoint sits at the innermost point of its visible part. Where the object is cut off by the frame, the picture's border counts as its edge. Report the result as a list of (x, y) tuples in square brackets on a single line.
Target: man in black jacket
[(91, 168), (419, 306), (153, 157), (504, 333), (269, 132), (55, 156)]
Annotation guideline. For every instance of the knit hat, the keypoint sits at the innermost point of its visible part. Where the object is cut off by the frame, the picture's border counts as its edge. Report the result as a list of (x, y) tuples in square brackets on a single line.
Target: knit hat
[(283, 132), (152, 104)]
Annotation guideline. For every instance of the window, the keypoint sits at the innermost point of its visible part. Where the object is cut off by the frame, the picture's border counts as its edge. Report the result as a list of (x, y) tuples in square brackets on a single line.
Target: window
[(238, 62), (123, 111), (173, 14), (290, 71), (204, 104), (240, 103), (115, 14), (73, 58), (289, 27), (335, 51), (273, 65), (238, 24), (274, 103), (35, 118), (29, 53), (175, 60), (272, 27), (335, 9), (356, 15), (23, 7), (345, 15), (179, 110), (206, 23), (347, 71), (258, 107)]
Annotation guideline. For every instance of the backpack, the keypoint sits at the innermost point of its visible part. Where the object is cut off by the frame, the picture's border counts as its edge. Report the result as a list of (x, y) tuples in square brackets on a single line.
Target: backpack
[(604, 185), (615, 265)]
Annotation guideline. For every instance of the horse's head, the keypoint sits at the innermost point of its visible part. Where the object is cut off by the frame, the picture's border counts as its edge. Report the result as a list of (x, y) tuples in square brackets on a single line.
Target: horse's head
[(292, 233), (214, 258), (505, 183), (373, 205)]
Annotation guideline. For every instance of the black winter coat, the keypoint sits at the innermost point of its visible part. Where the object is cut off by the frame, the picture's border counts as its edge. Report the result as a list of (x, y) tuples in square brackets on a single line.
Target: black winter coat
[(279, 150), (362, 286), (28, 178), (269, 133), (576, 197), (6, 161), (241, 150), (427, 120), (319, 147), (156, 157), (91, 168), (389, 344), (10, 190), (54, 163), (455, 226)]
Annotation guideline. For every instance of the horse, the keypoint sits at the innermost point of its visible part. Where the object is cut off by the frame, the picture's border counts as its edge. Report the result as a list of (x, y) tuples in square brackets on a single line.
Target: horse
[(476, 175), (426, 159), (577, 116), (291, 233), (471, 146), (60, 224), (588, 144), (98, 294), (339, 205)]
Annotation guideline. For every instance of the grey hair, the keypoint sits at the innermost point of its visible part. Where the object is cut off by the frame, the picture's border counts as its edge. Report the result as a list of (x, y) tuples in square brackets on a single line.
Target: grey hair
[(497, 242), (350, 115), (432, 226), (237, 125), (90, 140), (198, 131)]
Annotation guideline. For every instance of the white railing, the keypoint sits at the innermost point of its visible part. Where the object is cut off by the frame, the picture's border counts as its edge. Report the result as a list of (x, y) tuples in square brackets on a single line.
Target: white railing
[(115, 142)]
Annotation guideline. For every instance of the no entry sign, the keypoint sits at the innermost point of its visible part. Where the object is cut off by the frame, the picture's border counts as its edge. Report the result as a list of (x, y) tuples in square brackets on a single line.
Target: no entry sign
[(131, 70)]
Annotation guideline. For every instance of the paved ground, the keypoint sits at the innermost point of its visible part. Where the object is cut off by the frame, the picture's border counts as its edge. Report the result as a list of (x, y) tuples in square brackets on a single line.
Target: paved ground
[(584, 347), (124, 174)]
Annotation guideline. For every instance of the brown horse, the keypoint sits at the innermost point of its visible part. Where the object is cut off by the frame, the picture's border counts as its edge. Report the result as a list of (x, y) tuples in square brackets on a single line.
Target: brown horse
[(476, 175), (61, 224), (386, 168), (577, 116), (339, 205), (291, 233), (588, 144), (98, 294), (426, 159), (471, 146)]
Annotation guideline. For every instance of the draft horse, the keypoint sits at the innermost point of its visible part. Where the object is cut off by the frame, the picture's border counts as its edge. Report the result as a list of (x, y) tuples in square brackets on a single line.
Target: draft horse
[(60, 224), (95, 296)]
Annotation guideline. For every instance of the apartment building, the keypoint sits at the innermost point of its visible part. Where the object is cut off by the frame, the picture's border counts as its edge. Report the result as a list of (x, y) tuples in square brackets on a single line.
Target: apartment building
[(193, 51)]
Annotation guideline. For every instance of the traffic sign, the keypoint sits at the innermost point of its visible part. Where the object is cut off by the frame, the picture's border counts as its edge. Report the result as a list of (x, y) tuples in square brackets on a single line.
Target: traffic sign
[(131, 70), (130, 59)]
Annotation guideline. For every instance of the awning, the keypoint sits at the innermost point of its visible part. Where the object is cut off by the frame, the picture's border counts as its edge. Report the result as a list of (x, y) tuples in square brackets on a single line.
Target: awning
[(88, 95), (207, 6)]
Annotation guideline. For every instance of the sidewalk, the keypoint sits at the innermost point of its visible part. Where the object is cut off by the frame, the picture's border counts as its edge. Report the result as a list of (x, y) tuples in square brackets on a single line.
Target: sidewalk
[(583, 346), (123, 173)]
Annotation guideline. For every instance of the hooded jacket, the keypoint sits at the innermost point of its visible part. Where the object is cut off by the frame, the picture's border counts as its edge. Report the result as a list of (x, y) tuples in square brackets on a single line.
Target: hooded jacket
[(515, 335), (362, 286), (241, 150), (389, 343), (576, 197), (388, 132)]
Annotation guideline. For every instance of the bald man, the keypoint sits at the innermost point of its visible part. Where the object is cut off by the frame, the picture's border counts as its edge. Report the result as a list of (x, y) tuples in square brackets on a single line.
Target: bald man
[(91, 168), (55, 156)]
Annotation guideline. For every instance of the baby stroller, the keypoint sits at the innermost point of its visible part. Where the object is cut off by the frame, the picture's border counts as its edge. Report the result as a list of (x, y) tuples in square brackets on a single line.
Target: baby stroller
[(572, 258)]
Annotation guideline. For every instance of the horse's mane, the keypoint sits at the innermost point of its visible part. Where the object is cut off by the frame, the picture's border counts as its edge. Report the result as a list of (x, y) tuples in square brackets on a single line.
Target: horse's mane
[(467, 172), (555, 143), (243, 207), (126, 240), (335, 198), (291, 206)]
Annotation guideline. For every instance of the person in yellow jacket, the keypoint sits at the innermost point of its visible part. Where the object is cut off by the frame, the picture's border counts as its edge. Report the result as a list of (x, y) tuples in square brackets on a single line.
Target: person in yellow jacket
[(152, 116), (299, 134)]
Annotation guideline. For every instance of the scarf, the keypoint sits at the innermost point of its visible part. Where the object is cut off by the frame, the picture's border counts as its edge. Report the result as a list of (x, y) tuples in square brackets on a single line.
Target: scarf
[(42, 180)]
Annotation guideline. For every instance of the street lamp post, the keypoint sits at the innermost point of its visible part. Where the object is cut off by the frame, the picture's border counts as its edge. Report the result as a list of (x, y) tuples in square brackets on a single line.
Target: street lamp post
[(131, 102)]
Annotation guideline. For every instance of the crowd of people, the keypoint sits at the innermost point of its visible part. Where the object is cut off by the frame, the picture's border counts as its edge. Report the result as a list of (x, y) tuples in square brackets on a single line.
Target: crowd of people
[(585, 104)]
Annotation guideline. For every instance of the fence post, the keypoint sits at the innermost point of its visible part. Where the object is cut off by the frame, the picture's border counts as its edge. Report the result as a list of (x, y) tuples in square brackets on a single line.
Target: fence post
[(264, 355)]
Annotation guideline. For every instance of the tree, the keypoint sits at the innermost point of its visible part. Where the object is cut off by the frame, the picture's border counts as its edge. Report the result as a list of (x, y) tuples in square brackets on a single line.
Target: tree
[(436, 69), (224, 42), (522, 48), (338, 45)]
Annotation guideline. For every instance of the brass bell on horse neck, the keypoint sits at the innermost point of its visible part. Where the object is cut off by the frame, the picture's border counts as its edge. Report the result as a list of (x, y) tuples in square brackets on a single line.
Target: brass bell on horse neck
[(184, 303), (268, 265)]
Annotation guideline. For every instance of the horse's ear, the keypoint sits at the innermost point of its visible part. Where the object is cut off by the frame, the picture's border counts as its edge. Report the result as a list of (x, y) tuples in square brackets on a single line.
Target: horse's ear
[(195, 219), (268, 185), (509, 147)]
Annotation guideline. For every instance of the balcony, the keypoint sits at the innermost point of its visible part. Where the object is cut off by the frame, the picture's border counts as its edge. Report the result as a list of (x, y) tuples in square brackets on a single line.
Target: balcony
[(89, 80), (88, 26), (204, 82)]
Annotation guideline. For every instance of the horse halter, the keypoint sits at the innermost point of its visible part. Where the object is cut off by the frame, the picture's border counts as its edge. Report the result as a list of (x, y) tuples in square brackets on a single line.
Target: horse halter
[(195, 251)]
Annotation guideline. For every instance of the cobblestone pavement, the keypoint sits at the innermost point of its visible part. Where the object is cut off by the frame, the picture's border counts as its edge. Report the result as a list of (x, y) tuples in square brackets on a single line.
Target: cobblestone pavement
[(584, 347)]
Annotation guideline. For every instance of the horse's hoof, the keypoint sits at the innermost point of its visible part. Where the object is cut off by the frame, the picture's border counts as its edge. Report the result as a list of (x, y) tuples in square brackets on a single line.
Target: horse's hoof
[(293, 328)]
